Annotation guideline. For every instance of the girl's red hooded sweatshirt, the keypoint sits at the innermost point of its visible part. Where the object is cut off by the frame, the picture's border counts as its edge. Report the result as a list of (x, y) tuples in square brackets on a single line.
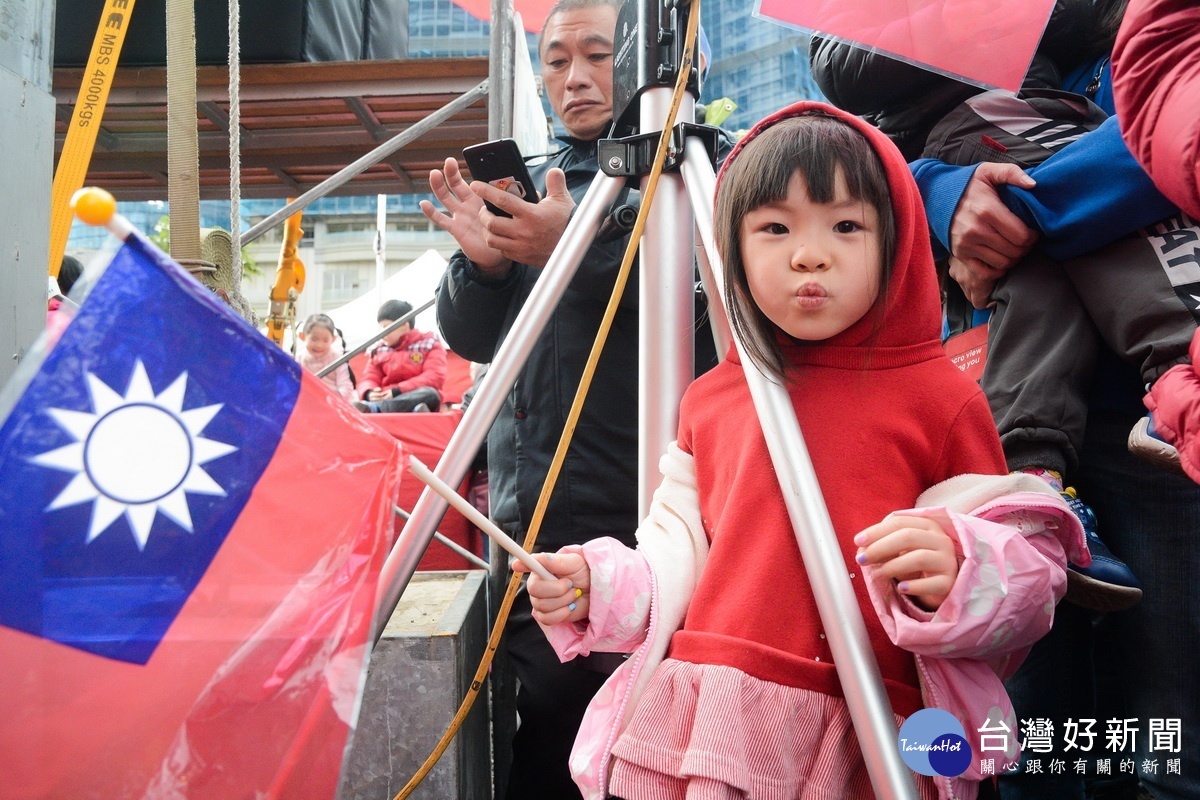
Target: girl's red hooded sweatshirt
[(885, 415)]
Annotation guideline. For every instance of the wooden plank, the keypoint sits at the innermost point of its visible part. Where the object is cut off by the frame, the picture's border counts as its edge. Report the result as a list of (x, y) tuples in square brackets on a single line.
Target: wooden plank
[(300, 124)]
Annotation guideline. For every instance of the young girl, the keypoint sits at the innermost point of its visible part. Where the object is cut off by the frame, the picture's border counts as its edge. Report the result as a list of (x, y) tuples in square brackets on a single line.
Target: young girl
[(319, 335), (731, 690)]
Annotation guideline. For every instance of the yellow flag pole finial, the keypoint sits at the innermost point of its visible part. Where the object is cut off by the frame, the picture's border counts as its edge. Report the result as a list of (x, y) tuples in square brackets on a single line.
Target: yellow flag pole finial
[(95, 206)]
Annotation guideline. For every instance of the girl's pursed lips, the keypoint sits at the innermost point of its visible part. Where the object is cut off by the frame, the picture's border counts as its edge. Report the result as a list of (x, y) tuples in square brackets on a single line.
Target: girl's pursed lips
[(811, 296)]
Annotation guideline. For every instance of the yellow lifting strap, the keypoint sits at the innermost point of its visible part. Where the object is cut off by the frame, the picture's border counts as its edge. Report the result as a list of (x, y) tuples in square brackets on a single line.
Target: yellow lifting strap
[(85, 123)]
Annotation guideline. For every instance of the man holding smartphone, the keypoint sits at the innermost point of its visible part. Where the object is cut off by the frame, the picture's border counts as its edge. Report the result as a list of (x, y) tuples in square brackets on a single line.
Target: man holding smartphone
[(485, 286)]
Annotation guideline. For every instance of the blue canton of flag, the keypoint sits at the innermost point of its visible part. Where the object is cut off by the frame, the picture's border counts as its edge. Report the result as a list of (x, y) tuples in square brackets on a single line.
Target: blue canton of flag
[(130, 455)]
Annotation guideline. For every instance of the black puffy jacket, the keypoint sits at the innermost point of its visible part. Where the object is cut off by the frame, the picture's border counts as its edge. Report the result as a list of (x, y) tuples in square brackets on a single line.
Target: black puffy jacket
[(596, 492)]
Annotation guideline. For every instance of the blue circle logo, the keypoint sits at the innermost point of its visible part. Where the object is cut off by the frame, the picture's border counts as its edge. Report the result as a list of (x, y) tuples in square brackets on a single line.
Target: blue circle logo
[(933, 742)]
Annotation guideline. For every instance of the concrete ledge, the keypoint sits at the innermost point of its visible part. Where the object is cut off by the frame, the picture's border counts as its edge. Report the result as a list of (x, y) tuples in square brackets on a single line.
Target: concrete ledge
[(420, 671)]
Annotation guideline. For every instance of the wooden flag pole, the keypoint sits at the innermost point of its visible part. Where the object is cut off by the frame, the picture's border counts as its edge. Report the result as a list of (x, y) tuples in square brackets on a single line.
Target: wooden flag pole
[(476, 516)]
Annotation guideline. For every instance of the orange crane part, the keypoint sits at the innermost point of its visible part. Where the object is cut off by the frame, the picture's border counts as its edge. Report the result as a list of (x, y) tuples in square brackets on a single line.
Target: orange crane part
[(289, 281)]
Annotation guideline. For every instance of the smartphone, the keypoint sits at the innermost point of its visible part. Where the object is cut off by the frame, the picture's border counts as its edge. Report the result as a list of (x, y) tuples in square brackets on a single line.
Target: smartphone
[(499, 163)]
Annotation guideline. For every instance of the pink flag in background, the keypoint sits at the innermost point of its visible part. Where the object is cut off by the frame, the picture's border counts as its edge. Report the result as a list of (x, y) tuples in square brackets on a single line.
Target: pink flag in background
[(533, 12), (981, 41)]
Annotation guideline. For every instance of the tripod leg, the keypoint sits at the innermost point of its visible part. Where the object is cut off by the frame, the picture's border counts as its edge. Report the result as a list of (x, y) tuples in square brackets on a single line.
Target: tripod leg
[(700, 181), (666, 310), (501, 376), (841, 617)]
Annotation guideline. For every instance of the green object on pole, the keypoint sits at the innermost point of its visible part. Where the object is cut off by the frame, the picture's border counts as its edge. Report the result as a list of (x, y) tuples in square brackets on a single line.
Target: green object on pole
[(719, 110)]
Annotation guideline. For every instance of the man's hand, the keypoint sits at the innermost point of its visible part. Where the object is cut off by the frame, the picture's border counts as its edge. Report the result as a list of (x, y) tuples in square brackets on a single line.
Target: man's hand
[(462, 218), (914, 551), (977, 280), (532, 233), (983, 230)]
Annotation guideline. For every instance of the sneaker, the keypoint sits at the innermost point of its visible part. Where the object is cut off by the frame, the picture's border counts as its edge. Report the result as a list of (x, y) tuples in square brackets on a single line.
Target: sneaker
[(1146, 444), (365, 407), (1107, 584), (420, 408)]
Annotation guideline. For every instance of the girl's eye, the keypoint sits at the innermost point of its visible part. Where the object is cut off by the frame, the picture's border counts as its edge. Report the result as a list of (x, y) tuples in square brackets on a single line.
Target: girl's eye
[(775, 228), (847, 226)]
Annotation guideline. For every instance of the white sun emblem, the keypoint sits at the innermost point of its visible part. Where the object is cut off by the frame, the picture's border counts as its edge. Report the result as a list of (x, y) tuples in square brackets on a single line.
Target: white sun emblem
[(138, 454)]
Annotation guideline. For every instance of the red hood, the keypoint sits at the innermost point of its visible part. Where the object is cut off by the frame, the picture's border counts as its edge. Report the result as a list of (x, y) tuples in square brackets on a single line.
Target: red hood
[(912, 311)]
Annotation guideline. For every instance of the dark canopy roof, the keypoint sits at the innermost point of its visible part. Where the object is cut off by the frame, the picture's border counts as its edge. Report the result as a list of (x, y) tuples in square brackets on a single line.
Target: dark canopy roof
[(300, 122)]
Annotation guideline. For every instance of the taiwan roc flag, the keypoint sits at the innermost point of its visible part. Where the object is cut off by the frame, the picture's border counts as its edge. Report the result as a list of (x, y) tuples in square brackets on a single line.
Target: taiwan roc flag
[(191, 530)]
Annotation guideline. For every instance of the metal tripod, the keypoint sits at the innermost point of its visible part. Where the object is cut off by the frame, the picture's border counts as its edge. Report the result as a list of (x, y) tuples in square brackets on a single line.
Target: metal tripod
[(665, 369)]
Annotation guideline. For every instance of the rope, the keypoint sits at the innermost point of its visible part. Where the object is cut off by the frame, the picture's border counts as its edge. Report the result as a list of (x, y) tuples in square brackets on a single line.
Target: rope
[(585, 382), (235, 138)]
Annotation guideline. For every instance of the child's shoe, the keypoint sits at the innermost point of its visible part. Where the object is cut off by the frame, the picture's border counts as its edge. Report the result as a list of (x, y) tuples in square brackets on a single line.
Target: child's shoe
[(1146, 444), (365, 407), (1106, 584)]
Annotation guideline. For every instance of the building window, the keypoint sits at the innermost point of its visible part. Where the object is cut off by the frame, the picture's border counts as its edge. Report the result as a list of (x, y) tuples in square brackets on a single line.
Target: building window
[(339, 285)]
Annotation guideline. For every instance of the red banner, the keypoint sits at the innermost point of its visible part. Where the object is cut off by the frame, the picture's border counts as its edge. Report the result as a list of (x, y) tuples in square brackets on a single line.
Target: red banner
[(980, 41)]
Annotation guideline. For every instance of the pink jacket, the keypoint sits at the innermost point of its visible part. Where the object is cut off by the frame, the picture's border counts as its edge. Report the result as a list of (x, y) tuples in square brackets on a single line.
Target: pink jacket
[(1156, 86), (1015, 536), (338, 380), (1175, 400)]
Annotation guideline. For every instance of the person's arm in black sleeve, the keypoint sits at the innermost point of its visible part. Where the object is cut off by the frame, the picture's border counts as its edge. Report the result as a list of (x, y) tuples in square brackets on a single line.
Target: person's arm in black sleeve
[(472, 308), (902, 100)]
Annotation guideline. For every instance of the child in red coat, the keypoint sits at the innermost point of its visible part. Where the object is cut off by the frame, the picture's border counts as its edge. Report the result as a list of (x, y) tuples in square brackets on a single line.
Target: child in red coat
[(406, 370)]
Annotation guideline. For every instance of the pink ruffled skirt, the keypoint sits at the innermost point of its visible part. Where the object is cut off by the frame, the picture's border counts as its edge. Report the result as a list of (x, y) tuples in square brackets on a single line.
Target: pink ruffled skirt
[(714, 733)]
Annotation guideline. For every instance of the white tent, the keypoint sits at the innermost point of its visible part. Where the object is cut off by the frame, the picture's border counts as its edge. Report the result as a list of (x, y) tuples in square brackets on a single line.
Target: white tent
[(531, 128), (415, 283)]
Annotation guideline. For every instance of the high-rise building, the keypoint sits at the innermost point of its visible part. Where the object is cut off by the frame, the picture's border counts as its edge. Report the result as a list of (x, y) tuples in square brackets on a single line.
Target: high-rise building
[(440, 29), (759, 64)]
